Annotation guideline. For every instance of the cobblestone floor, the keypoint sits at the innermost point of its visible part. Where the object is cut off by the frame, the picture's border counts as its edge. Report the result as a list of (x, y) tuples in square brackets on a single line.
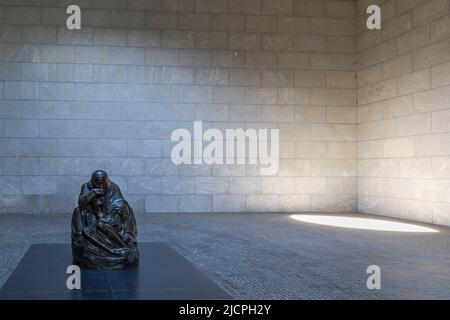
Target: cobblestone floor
[(271, 256)]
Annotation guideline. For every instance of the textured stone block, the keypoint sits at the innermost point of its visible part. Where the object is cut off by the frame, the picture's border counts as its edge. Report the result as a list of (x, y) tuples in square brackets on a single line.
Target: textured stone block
[(52, 16), (39, 72), (216, 6), (143, 74), (21, 90), (178, 185), (21, 53), (341, 115), (75, 72), (378, 168), (144, 148), (297, 203), (178, 75), (333, 132), (262, 203), (432, 55), (379, 53), (178, 39), (85, 166), (57, 91), (92, 92), (431, 100), (441, 121), (144, 4), (21, 128), (377, 92), (39, 185), (414, 82), (228, 22), (261, 24), (245, 185), (58, 166), (195, 21), (18, 204), (15, 166), (413, 39), (39, 34), (75, 37), (414, 125), (59, 54), (415, 168), (245, 77), (333, 61), (261, 59), (183, 112), (22, 15), (57, 128), (396, 107), (10, 33), (127, 19), (229, 203), (332, 26), (195, 203), (11, 71), (429, 11), (441, 213), (441, 167), (440, 29), (211, 185), (432, 145), (369, 75), (398, 147), (10, 185), (334, 203), (161, 204), (144, 38), (85, 54), (244, 41), (194, 58), (110, 37), (276, 113), (144, 185), (277, 185), (293, 96), (440, 75), (109, 73), (398, 66), (228, 59), (340, 44)]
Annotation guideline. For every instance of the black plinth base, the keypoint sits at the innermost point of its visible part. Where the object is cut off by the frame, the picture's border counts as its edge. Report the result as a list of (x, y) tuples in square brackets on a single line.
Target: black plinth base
[(162, 274)]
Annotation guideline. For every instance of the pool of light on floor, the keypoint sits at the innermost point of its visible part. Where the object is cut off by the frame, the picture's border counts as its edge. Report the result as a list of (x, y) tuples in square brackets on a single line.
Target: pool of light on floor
[(362, 223)]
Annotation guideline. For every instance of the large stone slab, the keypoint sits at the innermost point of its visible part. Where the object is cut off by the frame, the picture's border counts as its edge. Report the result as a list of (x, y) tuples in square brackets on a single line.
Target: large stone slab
[(162, 274)]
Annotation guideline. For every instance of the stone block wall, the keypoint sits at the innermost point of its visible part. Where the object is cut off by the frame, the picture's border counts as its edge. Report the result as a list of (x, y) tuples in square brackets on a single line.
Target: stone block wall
[(404, 111), (109, 96)]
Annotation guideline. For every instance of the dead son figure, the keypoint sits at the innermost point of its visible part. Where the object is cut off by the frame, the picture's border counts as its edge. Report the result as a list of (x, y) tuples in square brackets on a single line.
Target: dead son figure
[(103, 227)]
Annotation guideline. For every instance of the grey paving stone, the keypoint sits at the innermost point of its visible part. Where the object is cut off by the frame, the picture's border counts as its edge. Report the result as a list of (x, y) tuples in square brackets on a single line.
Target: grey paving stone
[(271, 256)]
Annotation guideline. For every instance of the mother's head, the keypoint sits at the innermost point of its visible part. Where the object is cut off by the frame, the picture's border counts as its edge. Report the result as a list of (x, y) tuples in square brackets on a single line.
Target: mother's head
[(100, 180)]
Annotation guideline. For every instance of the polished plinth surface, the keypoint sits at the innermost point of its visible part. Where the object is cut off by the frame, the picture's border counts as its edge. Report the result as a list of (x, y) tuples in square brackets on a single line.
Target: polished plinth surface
[(162, 274)]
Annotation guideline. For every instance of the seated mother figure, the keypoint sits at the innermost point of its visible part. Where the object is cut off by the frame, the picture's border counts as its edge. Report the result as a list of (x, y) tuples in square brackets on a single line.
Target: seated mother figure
[(103, 227)]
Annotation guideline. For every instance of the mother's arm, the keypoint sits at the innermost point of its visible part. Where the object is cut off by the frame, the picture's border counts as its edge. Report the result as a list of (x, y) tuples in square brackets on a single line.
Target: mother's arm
[(88, 195)]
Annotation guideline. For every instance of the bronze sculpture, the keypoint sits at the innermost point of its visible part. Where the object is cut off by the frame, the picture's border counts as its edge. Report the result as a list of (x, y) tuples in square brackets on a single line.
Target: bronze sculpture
[(103, 227)]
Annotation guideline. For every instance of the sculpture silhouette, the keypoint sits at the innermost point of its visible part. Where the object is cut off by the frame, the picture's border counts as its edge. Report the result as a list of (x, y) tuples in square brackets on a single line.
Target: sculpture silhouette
[(103, 227)]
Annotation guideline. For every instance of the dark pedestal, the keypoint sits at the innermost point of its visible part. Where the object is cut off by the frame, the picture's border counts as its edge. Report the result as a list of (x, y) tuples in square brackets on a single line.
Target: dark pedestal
[(162, 274)]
